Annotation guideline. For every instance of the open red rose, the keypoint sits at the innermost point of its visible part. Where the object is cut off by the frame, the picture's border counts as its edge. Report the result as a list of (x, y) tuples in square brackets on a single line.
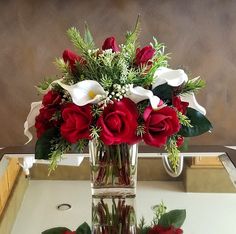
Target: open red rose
[(110, 43), (179, 105), (144, 55), (157, 229), (44, 120), (159, 125), (52, 98), (77, 120), (118, 123), (72, 58)]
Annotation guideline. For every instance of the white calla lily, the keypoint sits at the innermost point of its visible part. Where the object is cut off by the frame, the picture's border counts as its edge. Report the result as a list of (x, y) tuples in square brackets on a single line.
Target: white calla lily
[(190, 98), (30, 120), (84, 92), (138, 94), (172, 77)]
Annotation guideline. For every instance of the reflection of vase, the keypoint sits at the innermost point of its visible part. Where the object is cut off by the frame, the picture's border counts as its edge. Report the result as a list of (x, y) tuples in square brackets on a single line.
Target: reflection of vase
[(113, 169), (113, 216)]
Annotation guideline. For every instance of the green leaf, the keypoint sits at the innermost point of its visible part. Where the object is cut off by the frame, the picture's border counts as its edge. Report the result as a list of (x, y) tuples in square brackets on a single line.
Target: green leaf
[(77, 40), (43, 144), (144, 230), (57, 230), (83, 229), (163, 91), (173, 218), (133, 36), (200, 124), (88, 38), (193, 85)]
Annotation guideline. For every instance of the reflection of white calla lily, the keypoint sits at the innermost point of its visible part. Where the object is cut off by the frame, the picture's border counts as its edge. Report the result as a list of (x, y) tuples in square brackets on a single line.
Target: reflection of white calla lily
[(190, 98), (30, 120), (84, 92), (172, 77), (138, 94)]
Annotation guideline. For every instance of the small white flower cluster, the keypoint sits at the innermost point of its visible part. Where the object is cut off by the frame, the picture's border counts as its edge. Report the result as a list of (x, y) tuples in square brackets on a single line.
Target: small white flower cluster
[(117, 94), (94, 51), (119, 91)]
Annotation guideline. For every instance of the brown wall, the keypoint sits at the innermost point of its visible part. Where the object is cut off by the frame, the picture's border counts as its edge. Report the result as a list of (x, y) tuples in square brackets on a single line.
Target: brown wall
[(199, 34)]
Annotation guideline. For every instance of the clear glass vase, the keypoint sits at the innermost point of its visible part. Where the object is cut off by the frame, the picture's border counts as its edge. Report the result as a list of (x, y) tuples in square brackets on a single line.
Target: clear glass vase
[(114, 216), (113, 169)]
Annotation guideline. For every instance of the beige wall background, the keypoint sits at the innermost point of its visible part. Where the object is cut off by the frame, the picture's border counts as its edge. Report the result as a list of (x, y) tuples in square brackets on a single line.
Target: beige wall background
[(199, 34)]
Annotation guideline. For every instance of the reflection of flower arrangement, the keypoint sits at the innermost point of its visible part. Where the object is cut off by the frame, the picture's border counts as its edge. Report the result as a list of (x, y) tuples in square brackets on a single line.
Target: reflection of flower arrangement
[(164, 222), (120, 218), (117, 94)]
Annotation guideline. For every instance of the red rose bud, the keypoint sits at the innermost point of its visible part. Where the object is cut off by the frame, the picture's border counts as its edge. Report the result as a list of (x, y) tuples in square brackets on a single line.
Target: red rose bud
[(159, 125), (144, 55), (179, 105), (51, 98), (179, 141), (157, 229), (72, 58), (110, 43), (119, 122), (77, 121)]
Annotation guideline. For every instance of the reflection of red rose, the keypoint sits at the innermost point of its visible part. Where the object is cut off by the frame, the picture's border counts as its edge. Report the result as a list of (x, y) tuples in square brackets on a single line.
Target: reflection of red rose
[(144, 55), (179, 105), (159, 125), (110, 43), (157, 229), (72, 58), (44, 120), (69, 232), (77, 120), (51, 98), (118, 123)]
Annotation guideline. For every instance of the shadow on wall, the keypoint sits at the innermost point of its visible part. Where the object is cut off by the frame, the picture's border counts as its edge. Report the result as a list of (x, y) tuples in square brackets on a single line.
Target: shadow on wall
[(199, 34)]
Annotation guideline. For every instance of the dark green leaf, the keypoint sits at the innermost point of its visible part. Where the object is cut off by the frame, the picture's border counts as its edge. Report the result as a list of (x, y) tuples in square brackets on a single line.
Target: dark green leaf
[(173, 218), (200, 124), (57, 230), (83, 229), (43, 144), (163, 91)]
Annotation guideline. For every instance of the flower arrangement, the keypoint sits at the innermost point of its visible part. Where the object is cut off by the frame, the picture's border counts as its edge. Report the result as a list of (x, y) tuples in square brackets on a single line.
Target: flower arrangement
[(116, 94), (121, 218)]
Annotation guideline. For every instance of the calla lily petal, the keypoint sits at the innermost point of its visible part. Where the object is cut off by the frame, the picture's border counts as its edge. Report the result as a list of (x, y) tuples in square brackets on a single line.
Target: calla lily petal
[(172, 77), (190, 98), (30, 120), (138, 94), (84, 92)]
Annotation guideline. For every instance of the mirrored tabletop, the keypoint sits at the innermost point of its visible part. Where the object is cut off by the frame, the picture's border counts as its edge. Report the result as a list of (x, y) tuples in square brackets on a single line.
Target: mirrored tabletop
[(34, 203)]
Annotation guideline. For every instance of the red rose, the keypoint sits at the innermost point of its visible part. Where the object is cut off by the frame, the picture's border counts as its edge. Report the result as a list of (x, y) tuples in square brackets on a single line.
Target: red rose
[(44, 120), (159, 125), (118, 123), (72, 58), (157, 229), (110, 43), (51, 98), (179, 105), (77, 120), (144, 55)]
